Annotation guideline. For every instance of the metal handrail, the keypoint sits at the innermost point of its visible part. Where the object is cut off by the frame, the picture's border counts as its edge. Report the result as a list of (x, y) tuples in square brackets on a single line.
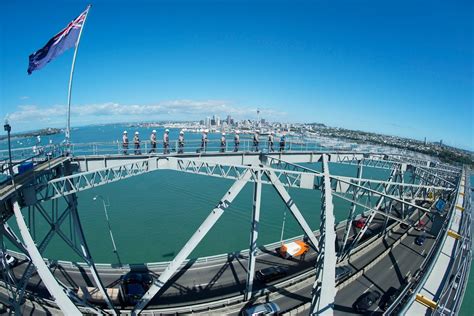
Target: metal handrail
[(464, 266), (194, 145), (429, 260)]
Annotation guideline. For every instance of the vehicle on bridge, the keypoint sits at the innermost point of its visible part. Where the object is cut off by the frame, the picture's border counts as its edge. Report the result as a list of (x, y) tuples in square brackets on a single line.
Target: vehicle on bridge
[(11, 261), (365, 301), (262, 309), (420, 240), (342, 272), (359, 223), (93, 295), (389, 297), (271, 273), (293, 249), (133, 285), (420, 225)]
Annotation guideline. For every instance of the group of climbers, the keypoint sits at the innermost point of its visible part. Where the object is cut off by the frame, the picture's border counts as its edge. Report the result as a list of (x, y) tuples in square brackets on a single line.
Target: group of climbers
[(204, 142)]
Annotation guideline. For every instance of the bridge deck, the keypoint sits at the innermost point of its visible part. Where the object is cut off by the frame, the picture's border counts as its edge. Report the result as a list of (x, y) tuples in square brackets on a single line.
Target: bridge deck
[(7, 188), (442, 267)]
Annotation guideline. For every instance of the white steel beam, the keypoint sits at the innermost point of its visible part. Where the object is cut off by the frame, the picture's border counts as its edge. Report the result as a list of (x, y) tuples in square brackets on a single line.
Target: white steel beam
[(292, 206), (208, 223), (257, 197), (324, 289), (58, 292), (351, 216), (372, 215), (304, 178)]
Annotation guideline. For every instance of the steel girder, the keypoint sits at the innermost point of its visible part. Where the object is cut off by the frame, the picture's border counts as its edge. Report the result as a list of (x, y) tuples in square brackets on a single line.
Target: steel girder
[(248, 176), (351, 216), (75, 239), (208, 223), (324, 288), (58, 292), (257, 198), (290, 203), (432, 177), (345, 187), (375, 210), (74, 183), (303, 178)]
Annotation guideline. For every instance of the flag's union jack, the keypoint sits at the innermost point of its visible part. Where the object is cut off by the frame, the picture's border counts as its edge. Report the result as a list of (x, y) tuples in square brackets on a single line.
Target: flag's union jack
[(61, 42)]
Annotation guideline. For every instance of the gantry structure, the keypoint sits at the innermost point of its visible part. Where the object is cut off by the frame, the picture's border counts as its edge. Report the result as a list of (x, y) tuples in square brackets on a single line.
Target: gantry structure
[(415, 182)]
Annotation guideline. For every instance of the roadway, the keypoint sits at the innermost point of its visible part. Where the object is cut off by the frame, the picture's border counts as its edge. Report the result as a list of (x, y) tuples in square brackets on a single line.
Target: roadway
[(202, 282), (197, 282), (391, 271)]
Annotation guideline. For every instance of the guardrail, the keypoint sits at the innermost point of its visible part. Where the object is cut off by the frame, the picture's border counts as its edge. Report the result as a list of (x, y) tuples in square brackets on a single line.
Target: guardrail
[(39, 155), (460, 276), (196, 146), (421, 275)]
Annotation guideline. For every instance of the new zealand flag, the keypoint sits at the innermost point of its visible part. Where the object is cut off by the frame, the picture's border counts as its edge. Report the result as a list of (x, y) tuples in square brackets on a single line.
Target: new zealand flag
[(61, 42)]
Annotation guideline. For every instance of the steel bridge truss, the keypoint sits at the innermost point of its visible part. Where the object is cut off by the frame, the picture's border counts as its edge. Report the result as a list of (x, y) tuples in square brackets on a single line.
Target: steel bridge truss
[(63, 221), (393, 199)]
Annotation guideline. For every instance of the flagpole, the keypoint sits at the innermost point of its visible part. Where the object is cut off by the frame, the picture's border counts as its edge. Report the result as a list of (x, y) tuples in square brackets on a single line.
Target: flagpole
[(68, 127)]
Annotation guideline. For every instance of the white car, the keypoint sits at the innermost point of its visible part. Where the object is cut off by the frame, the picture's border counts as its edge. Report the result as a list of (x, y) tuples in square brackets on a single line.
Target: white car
[(9, 260), (262, 309)]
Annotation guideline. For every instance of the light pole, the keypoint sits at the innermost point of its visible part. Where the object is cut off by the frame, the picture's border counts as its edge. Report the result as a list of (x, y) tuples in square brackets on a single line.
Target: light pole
[(8, 129), (108, 224)]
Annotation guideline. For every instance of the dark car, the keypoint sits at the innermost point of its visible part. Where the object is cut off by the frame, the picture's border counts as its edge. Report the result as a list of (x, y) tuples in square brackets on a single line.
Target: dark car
[(420, 240), (365, 301), (404, 226), (134, 285), (388, 298), (342, 272), (271, 274)]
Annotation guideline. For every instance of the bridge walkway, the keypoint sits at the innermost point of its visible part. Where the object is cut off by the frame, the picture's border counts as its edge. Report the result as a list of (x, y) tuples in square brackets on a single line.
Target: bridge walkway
[(7, 188)]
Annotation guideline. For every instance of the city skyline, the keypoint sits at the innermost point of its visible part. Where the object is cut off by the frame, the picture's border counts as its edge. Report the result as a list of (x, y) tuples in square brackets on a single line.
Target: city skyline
[(296, 63)]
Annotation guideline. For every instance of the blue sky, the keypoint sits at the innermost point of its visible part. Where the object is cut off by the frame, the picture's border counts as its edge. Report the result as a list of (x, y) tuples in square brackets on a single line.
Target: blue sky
[(401, 67)]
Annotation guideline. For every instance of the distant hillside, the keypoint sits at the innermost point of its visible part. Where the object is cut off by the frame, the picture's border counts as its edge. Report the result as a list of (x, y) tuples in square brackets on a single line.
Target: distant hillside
[(40, 132)]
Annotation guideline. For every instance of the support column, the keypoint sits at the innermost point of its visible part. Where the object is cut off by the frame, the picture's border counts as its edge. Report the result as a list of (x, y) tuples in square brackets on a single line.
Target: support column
[(324, 289), (388, 208), (257, 196), (208, 223), (350, 218), (58, 292)]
